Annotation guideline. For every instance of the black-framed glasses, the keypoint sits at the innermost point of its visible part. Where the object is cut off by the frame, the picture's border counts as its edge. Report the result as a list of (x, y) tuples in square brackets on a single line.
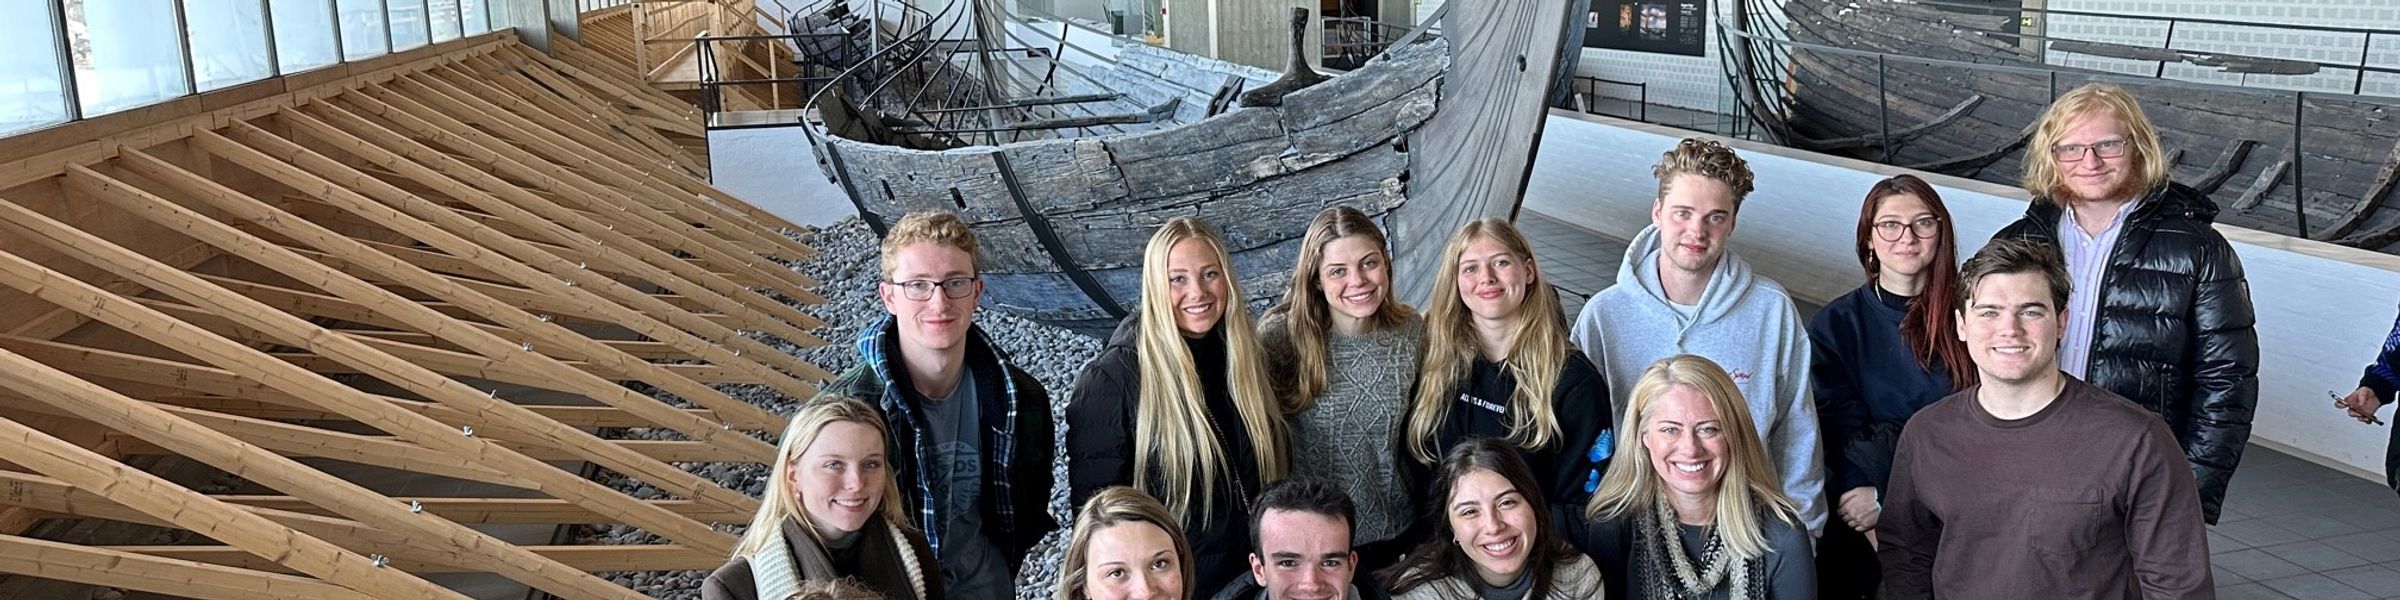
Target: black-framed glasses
[(922, 289), (1924, 228), (2102, 148)]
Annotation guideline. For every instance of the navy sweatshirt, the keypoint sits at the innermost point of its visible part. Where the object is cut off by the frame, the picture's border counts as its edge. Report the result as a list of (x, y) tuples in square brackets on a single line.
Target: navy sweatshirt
[(1572, 464), (1865, 374)]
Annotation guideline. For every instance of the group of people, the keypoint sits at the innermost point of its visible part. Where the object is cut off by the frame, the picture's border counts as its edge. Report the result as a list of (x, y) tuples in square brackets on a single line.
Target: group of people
[(2055, 418)]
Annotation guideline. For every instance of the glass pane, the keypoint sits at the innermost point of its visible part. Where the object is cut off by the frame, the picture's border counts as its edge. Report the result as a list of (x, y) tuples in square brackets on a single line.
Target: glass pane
[(445, 19), (229, 41), (477, 17), (303, 34), (127, 54), (363, 33), (32, 92), (408, 23)]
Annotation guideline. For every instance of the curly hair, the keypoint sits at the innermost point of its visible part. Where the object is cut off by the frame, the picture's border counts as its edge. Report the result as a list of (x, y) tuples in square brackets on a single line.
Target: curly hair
[(1708, 159), (937, 227)]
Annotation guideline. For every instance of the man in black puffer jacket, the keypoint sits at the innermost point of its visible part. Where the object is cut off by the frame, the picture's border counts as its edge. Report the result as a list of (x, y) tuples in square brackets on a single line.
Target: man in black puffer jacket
[(2160, 311)]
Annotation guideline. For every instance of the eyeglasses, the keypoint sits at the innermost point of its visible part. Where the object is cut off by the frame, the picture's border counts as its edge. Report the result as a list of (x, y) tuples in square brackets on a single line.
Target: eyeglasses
[(922, 289), (2103, 149), (1923, 227)]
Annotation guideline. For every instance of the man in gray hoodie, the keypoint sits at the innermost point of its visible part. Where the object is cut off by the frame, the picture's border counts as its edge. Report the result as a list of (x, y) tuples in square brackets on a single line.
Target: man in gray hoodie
[(1680, 292)]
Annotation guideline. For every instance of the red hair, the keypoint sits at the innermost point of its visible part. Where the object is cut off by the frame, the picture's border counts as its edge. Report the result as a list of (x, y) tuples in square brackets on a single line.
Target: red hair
[(1930, 328)]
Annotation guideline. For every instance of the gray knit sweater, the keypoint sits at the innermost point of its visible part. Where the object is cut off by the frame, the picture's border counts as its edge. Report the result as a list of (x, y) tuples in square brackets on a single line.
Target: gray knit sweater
[(1350, 435)]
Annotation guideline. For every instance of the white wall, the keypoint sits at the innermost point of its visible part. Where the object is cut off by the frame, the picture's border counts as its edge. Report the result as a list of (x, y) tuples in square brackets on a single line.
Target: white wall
[(775, 169), (2322, 309)]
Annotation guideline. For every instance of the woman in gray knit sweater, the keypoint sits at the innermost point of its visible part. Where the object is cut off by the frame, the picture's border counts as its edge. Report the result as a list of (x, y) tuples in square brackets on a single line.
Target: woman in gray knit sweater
[(1342, 354)]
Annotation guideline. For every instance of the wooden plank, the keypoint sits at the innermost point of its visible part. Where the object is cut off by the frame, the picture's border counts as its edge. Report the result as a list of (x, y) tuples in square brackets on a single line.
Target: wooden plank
[(591, 558), (503, 510), (1473, 156), (508, 360), (157, 327), (144, 573), (59, 321), (450, 225)]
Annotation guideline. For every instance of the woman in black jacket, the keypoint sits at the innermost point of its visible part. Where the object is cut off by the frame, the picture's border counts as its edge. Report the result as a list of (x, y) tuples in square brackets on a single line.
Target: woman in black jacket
[(1497, 365), (1878, 354), (1178, 405)]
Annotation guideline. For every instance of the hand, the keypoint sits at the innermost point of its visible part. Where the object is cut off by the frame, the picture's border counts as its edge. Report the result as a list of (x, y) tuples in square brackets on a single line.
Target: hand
[(2361, 404), (1860, 509)]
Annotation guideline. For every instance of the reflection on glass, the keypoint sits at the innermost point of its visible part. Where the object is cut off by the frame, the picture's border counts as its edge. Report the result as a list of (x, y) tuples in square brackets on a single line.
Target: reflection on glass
[(363, 33), (229, 41), (445, 19), (408, 23), (126, 53), (475, 16), (303, 34), (32, 92)]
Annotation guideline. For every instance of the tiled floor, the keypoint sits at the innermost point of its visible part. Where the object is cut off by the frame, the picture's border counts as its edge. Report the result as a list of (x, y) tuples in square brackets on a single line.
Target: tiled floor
[(2291, 528)]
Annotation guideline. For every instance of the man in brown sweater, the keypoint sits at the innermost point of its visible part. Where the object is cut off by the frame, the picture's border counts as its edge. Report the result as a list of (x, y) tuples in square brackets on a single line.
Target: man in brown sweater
[(2034, 484)]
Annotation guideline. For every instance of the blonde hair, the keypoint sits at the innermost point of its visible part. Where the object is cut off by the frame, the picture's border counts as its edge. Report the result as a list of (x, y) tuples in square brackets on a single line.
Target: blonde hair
[(1632, 487), (1538, 349), (1306, 315), (2042, 176), (937, 227), (1110, 507), (835, 589), (1173, 432), (1708, 159), (781, 501)]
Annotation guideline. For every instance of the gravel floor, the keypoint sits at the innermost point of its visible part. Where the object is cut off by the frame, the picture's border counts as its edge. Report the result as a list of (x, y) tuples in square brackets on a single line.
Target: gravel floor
[(846, 269)]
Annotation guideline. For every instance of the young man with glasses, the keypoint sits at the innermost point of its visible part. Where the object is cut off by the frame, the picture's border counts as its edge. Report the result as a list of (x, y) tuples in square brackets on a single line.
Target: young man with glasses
[(971, 436), (2160, 312)]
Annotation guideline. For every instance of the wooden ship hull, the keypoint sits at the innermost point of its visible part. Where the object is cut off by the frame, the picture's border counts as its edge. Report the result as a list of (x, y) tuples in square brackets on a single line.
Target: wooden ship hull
[(1065, 212), (2235, 144)]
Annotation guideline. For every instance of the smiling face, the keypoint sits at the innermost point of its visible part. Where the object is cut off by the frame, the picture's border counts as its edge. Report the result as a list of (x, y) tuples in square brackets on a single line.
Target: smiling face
[(1686, 441), (1352, 278), (2011, 329), (840, 479), (1492, 523), (938, 323), (1694, 219), (2094, 177), (1196, 284), (1493, 280), (1907, 256), (1303, 556), (1132, 561)]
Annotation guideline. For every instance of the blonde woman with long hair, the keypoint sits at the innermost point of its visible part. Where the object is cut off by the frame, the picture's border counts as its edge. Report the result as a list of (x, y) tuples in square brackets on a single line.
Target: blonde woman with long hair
[(1125, 547), (1343, 351), (830, 511), (1497, 365), (1177, 404), (1695, 511)]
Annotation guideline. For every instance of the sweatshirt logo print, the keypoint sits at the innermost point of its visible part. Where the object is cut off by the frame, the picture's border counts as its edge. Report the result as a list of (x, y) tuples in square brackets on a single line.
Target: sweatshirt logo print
[(1740, 376), (1483, 404)]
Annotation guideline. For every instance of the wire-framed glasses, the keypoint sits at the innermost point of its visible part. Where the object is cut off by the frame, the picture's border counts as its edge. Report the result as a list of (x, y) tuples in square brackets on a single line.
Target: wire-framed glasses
[(2103, 149), (922, 289)]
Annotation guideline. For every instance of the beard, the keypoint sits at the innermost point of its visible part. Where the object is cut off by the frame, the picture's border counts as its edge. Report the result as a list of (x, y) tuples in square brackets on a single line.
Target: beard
[(2129, 189)]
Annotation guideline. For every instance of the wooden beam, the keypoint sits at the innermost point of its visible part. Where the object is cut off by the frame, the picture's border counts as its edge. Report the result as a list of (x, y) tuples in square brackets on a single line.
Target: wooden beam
[(145, 573), (156, 327), (173, 503), (588, 558), (540, 511)]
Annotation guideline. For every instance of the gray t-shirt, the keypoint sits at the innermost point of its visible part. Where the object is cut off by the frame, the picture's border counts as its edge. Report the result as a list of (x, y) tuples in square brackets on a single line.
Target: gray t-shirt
[(972, 567)]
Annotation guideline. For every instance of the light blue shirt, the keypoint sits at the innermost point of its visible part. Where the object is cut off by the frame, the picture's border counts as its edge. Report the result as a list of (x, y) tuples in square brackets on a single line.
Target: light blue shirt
[(2087, 261)]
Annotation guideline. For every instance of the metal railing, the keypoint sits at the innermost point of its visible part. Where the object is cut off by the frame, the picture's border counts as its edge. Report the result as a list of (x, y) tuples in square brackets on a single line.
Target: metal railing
[(1766, 100), (2199, 57), (1587, 93), (1349, 41)]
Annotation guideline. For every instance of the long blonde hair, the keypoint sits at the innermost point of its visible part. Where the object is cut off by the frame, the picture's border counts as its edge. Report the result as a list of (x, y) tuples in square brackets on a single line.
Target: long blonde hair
[(1306, 316), (781, 502), (1173, 434), (1632, 487), (2042, 177), (1112, 506), (1537, 351)]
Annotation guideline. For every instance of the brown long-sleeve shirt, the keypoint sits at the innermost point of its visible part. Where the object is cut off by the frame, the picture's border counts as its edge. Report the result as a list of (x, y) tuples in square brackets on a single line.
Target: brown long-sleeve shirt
[(2089, 498)]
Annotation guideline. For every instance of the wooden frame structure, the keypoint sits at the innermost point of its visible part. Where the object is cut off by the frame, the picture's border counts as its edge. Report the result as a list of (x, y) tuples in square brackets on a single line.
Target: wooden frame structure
[(379, 264)]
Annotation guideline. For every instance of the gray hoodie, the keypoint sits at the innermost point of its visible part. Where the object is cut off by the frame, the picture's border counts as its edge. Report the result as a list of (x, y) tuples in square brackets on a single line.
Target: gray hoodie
[(1746, 324)]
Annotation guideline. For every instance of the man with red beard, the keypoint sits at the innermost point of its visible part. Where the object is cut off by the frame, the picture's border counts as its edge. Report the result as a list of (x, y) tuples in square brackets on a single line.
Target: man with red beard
[(2160, 312), (970, 443)]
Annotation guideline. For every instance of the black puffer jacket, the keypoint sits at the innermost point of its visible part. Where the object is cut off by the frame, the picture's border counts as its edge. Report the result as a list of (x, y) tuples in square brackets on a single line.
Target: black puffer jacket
[(2173, 331)]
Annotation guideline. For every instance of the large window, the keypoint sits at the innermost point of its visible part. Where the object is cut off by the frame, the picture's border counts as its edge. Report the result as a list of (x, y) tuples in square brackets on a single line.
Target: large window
[(409, 29), (304, 34), (477, 16), (229, 42), (127, 53), (363, 32), (445, 19), (33, 91)]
